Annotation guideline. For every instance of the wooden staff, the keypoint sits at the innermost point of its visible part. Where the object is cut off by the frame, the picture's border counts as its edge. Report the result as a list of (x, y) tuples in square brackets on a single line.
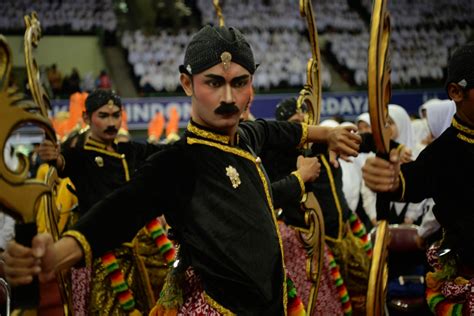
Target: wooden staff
[(19, 195), (379, 90), (312, 238)]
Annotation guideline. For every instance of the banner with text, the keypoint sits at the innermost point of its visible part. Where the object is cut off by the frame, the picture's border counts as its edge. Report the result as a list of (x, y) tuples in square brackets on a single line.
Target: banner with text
[(346, 104)]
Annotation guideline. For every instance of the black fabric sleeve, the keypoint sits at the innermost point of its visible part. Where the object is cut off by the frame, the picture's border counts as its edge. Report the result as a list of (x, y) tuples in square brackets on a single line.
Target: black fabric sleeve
[(143, 150), (417, 178), (73, 162), (263, 134), (286, 191), (154, 189)]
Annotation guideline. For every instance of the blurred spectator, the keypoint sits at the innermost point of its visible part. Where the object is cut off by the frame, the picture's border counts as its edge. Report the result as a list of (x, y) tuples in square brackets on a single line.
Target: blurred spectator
[(103, 81), (72, 83), (65, 16), (88, 82), (55, 79)]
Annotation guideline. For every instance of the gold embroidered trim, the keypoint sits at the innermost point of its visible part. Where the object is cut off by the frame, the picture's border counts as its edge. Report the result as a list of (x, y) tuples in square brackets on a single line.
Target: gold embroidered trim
[(125, 168), (208, 135), (304, 134), (86, 248), (244, 154), (462, 128), (300, 181), (233, 150), (218, 307), (95, 143), (112, 154), (334, 194), (465, 138), (103, 151), (402, 180)]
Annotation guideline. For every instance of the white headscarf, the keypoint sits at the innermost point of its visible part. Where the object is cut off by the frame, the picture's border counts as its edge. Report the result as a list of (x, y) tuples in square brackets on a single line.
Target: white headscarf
[(423, 106), (364, 117), (405, 137), (420, 130), (329, 123), (439, 116), (403, 122)]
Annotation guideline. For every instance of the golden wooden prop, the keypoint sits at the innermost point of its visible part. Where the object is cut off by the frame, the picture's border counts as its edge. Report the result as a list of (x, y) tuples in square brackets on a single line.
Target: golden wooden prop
[(19, 195), (312, 238), (218, 8), (311, 92), (379, 90), (378, 76), (377, 289)]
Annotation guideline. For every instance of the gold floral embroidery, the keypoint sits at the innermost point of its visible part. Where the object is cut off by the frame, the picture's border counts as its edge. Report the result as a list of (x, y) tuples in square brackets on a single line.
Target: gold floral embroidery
[(86, 248), (218, 307), (462, 128), (208, 135), (300, 181), (95, 143), (465, 138)]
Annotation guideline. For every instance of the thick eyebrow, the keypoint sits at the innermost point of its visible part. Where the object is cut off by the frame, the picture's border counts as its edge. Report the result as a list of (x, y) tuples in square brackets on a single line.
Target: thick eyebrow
[(220, 78), (215, 77), (240, 78), (107, 113)]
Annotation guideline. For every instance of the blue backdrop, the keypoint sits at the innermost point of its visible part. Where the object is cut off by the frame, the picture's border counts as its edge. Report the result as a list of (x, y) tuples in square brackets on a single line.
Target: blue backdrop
[(349, 105)]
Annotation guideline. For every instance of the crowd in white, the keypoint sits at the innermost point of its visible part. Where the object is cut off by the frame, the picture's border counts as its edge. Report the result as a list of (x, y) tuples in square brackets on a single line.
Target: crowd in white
[(276, 33), (75, 15), (282, 58), (423, 33)]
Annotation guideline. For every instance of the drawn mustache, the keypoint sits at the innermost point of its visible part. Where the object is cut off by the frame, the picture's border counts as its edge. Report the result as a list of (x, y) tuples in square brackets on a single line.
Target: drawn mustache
[(226, 109), (111, 129)]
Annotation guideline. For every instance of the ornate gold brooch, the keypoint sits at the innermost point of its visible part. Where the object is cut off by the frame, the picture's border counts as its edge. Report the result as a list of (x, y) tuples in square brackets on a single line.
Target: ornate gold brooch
[(234, 177), (99, 161), (226, 58)]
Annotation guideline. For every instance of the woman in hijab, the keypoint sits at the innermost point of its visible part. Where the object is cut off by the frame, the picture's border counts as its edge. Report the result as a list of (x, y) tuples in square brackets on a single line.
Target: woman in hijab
[(363, 123), (402, 133), (439, 115), (421, 132)]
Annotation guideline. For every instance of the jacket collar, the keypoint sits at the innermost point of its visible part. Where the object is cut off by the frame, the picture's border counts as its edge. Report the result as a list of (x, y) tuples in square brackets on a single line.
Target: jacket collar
[(205, 133)]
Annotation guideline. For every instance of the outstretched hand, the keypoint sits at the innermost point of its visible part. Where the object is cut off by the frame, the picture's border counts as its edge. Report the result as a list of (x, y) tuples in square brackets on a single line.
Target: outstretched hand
[(48, 151), (381, 175), (343, 142), (308, 168)]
